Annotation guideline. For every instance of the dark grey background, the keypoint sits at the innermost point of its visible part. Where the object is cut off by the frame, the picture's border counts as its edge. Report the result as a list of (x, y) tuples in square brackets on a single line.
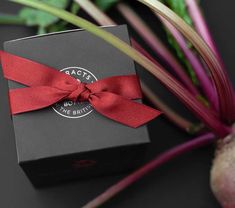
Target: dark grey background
[(183, 182)]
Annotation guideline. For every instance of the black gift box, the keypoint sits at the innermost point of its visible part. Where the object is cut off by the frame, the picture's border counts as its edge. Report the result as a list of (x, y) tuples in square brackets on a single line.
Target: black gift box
[(70, 140)]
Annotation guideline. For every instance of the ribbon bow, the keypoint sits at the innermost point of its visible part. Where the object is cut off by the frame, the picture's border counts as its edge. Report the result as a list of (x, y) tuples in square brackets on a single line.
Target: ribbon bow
[(111, 97)]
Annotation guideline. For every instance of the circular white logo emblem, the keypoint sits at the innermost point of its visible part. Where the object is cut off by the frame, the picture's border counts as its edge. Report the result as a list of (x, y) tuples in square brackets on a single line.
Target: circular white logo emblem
[(70, 109)]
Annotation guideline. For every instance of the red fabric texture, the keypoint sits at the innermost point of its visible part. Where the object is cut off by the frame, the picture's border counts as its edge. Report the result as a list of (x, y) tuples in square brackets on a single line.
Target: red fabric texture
[(112, 97)]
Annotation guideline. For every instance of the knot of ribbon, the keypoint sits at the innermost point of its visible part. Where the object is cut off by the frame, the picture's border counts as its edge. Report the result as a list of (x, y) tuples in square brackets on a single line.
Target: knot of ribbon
[(80, 93), (44, 86)]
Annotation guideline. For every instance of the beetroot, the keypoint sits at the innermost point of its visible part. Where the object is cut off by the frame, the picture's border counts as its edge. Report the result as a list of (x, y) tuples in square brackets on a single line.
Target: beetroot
[(223, 172)]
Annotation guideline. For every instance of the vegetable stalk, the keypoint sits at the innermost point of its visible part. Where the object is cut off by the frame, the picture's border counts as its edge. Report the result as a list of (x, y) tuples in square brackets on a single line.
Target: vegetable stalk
[(177, 119), (104, 20), (200, 24), (202, 76), (206, 115), (94, 12), (11, 19), (200, 141), (222, 83), (202, 28), (156, 44), (169, 113)]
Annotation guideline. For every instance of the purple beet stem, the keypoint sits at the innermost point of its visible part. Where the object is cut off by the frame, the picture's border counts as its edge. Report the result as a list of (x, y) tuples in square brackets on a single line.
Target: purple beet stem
[(156, 44), (200, 24), (202, 76), (202, 28), (200, 141)]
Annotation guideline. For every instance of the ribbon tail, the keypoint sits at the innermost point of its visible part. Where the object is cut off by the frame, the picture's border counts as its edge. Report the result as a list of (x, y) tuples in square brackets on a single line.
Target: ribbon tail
[(34, 98), (123, 110)]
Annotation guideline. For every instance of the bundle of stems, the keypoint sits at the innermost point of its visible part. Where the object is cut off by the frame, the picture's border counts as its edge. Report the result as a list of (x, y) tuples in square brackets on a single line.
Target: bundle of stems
[(216, 110)]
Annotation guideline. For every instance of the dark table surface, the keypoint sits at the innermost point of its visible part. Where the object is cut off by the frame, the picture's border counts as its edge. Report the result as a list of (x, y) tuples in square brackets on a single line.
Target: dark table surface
[(183, 182)]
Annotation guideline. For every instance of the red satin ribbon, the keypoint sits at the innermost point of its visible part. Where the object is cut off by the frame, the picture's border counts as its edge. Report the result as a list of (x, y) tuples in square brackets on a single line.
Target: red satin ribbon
[(110, 97)]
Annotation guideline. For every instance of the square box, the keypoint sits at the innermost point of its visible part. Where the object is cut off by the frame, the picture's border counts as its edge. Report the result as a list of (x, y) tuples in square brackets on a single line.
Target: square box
[(71, 140)]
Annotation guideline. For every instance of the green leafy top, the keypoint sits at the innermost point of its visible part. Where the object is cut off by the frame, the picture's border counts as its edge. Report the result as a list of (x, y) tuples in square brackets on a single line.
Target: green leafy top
[(42, 19), (179, 7), (105, 4)]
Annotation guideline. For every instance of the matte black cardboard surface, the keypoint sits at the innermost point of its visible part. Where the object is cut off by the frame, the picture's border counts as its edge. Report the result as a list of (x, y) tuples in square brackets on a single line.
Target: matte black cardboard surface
[(71, 140)]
